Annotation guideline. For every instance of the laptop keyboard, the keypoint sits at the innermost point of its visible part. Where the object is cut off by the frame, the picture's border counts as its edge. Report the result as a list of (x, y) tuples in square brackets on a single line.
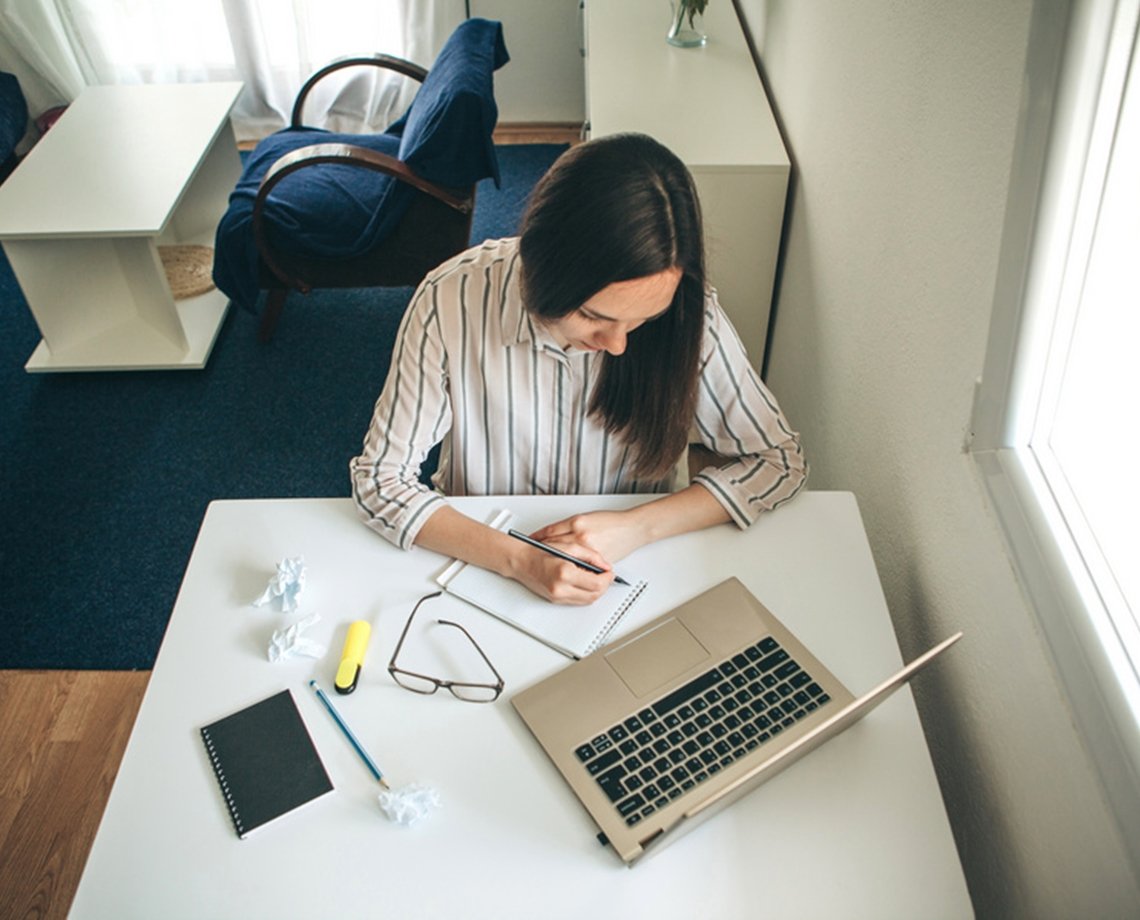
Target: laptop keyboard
[(700, 728)]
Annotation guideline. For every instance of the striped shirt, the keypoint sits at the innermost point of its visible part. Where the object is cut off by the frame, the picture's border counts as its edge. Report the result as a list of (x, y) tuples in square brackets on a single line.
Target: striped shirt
[(472, 369)]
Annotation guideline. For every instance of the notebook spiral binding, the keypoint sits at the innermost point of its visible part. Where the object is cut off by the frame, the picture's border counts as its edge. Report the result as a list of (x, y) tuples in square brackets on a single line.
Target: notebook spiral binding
[(225, 787), (616, 616)]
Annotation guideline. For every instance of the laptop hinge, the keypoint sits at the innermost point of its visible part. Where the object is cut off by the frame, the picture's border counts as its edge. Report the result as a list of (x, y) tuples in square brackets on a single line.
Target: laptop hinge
[(644, 842)]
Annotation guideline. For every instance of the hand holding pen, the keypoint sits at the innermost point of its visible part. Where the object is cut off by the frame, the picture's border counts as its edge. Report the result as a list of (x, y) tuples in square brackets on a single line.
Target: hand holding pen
[(554, 551)]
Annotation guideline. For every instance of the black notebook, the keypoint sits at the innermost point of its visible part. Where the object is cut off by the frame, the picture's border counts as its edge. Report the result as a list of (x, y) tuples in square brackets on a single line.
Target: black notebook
[(265, 762)]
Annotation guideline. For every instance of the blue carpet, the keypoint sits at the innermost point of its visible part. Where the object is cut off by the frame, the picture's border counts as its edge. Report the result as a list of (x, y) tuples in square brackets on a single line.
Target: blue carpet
[(106, 476)]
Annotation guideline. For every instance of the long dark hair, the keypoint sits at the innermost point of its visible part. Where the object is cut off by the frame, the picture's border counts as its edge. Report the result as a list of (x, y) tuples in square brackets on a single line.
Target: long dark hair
[(614, 209)]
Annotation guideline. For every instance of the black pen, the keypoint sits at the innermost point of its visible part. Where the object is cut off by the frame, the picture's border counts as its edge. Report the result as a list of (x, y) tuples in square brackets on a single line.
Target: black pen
[(581, 563)]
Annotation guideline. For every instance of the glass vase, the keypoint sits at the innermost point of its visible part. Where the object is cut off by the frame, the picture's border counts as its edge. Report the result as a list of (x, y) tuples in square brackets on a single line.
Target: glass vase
[(687, 25)]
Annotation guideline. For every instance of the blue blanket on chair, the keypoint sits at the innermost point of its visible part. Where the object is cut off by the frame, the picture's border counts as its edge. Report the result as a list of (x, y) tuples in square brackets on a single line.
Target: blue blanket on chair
[(332, 211)]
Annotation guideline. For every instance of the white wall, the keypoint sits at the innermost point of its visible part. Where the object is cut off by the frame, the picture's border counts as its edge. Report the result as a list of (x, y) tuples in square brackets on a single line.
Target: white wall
[(901, 119), (544, 81)]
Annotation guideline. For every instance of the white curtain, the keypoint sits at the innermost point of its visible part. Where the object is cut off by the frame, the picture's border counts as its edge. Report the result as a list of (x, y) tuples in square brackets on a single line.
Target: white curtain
[(273, 46)]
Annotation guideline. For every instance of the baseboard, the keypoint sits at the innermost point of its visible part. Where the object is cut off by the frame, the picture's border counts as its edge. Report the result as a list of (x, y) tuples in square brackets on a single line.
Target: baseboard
[(538, 132), (519, 132)]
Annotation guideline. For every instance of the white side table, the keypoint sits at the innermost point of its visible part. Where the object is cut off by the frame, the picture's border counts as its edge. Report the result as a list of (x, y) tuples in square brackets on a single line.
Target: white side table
[(126, 169)]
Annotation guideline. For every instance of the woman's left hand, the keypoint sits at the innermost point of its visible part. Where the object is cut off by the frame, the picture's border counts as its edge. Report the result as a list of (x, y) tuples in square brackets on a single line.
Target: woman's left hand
[(616, 534)]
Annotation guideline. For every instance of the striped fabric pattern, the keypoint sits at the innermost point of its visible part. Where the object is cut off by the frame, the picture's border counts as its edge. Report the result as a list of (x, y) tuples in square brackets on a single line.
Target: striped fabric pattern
[(473, 369)]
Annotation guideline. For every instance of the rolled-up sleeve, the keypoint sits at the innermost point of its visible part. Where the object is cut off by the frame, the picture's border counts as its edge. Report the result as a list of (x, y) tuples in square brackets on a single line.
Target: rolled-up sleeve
[(411, 416), (738, 417)]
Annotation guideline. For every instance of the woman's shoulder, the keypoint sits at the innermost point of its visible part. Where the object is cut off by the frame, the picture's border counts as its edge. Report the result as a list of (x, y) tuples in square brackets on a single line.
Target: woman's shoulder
[(490, 254), (716, 320), (481, 279), (719, 334)]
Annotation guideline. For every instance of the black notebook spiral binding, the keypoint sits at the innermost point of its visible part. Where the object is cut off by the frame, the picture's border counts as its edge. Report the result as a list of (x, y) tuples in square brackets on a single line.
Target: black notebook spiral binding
[(265, 762)]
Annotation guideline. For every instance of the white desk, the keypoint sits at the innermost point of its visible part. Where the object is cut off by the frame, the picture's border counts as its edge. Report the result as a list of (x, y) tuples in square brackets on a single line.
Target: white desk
[(856, 829), (126, 169)]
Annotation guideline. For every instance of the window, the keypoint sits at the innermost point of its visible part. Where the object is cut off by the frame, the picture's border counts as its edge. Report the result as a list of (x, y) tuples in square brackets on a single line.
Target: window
[(272, 46), (163, 38), (1055, 428)]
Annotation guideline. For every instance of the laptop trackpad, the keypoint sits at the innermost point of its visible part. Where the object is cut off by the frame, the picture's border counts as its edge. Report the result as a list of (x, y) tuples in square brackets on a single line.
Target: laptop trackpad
[(656, 657)]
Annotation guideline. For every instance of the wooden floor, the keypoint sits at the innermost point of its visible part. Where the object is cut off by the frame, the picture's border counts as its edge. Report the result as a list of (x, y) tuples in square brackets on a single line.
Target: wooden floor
[(62, 736)]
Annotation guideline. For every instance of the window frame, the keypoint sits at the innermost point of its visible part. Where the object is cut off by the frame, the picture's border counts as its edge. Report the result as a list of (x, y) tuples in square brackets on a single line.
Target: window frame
[(1065, 66)]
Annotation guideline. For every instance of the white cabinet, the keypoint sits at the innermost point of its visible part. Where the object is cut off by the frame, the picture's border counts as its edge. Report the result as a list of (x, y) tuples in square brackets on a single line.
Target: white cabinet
[(708, 106)]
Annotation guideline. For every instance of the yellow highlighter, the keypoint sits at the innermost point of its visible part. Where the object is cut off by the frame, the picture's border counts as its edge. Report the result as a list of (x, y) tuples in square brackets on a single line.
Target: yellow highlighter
[(352, 658)]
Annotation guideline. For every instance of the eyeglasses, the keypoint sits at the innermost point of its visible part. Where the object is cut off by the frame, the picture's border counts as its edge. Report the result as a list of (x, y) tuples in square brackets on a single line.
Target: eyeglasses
[(422, 683)]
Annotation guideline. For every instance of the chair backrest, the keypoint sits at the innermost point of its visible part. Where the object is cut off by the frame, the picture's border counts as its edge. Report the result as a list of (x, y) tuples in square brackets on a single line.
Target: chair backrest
[(446, 134)]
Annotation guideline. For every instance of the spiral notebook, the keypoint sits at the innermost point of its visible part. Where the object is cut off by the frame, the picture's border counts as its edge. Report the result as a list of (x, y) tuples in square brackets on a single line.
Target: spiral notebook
[(265, 762), (573, 631)]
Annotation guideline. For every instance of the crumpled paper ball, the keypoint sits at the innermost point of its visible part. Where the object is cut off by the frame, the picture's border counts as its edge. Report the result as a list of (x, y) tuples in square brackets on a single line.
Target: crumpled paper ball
[(408, 804), (286, 585), (288, 641)]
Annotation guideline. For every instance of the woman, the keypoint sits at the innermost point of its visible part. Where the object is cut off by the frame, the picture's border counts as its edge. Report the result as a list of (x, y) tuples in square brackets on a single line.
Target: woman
[(575, 359)]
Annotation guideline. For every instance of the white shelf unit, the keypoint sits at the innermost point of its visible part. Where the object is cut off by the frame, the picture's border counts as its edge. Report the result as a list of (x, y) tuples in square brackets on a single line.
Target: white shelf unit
[(125, 170), (709, 107)]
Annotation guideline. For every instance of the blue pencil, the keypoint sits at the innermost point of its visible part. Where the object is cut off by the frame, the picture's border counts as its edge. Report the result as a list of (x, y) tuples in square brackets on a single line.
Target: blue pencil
[(368, 762)]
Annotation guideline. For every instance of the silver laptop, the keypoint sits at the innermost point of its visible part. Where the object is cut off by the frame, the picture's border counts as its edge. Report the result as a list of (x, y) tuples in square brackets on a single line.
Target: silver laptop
[(658, 730)]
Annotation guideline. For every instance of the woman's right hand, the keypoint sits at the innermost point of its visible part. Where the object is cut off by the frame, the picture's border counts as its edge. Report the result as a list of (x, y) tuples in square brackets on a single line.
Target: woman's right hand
[(556, 579), (453, 534)]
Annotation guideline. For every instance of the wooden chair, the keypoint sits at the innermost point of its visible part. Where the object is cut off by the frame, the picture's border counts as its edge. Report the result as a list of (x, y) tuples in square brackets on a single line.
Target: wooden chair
[(366, 210)]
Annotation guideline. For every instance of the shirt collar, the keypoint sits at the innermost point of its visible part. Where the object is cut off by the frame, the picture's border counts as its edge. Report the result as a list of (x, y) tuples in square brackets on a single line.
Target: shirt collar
[(519, 327)]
